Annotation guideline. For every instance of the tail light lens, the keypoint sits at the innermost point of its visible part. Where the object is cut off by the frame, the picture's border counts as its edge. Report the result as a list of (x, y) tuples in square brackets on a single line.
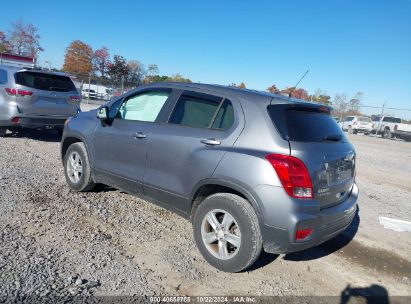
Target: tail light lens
[(15, 120), (293, 175), (76, 98), (16, 92), (302, 234)]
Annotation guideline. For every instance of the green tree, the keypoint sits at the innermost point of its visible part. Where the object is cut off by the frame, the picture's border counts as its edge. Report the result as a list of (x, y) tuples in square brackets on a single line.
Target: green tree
[(118, 69)]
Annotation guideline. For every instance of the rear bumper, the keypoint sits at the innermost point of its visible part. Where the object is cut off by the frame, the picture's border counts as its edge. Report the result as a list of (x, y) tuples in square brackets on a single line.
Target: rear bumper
[(51, 122), (326, 224), (8, 112), (363, 129)]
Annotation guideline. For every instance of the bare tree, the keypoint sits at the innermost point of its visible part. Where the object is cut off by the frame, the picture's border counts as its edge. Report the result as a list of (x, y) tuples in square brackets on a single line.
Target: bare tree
[(136, 72), (340, 104), (24, 39)]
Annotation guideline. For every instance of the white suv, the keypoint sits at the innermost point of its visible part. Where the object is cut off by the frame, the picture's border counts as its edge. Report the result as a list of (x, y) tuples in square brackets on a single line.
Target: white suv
[(355, 124)]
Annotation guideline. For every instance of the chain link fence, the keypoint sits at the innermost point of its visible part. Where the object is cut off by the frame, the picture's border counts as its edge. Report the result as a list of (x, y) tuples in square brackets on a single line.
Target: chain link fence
[(99, 90)]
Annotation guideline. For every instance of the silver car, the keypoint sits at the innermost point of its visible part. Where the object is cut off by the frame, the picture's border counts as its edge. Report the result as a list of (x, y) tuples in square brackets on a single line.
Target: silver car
[(251, 170), (35, 99)]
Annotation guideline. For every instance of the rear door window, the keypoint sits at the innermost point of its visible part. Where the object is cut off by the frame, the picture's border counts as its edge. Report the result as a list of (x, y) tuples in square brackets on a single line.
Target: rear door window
[(305, 124), (225, 116), (194, 111), (46, 82), (364, 119)]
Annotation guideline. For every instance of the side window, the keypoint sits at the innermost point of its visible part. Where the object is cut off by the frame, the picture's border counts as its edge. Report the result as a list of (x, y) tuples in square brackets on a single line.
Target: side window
[(3, 76), (194, 111), (143, 107), (225, 116)]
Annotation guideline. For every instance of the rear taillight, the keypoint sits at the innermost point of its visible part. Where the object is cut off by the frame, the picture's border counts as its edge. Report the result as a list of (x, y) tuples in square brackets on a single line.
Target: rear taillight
[(15, 119), (75, 98), (302, 234), (293, 175), (15, 92)]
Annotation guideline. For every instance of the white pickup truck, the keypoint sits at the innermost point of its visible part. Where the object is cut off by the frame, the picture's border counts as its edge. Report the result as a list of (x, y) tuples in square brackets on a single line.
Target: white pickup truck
[(390, 127)]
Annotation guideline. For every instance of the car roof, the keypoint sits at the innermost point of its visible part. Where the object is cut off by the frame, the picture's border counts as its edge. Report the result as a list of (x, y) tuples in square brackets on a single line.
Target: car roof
[(33, 70), (244, 94)]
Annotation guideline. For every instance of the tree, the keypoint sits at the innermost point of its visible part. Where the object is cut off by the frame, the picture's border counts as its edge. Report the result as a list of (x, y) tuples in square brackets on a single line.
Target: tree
[(136, 72), (340, 104), (179, 78), (320, 97), (101, 61), (118, 69), (24, 39), (240, 86), (4, 44), (295, 93), (355, 103), (78, 58), (273, 89)]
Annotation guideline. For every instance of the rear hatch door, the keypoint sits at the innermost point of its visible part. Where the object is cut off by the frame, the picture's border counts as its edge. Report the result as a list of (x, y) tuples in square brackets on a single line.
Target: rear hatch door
[(317, 140), (46, 94)]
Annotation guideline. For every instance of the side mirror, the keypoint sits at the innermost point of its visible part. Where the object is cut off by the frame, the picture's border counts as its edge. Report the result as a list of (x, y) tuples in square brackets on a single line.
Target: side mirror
[(102, 113)]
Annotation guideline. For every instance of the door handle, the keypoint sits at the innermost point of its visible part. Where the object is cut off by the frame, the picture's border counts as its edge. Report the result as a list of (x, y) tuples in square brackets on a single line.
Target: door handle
[(211, 142), (139, 135)]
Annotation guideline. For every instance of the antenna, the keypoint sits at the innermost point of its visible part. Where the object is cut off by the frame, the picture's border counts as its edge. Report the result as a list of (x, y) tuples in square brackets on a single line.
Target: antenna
[(302, 77)]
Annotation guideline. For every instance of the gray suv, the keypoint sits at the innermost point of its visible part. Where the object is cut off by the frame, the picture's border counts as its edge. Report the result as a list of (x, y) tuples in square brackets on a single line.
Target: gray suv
[(251, 170), (35, 99)]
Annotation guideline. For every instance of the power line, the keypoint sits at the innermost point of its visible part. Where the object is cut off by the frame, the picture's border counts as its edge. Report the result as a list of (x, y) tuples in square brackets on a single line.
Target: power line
[(376, 107)]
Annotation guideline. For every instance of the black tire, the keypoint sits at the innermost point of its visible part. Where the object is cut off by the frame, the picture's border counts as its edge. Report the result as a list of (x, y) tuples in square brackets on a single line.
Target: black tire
[(3, 132), (354, 132), (366, 133), (387, 134), (247, 222), (85, 181)]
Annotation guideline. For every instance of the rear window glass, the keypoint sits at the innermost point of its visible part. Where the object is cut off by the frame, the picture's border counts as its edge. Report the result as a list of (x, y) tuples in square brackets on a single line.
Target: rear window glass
[(366, 119), (306, 125), (349, 118), (392, 119), (47, 82), (3, 76)]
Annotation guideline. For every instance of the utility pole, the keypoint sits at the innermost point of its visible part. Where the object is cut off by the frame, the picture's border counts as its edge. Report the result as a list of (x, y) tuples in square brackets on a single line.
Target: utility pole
[(89, 80)]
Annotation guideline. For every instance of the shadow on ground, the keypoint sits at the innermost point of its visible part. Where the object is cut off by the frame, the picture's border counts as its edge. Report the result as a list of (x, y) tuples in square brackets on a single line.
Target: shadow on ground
[(328, 247), (371, 294), (40, 135)]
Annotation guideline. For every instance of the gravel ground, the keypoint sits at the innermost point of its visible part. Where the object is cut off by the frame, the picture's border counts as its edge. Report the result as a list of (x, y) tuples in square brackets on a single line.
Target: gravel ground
[(59, 243)]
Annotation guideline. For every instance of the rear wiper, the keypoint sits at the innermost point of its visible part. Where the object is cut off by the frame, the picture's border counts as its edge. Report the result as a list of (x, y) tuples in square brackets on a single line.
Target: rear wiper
[(334, 137)]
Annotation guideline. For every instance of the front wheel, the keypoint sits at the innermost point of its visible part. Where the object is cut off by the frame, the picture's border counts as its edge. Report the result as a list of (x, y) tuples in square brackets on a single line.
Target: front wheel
[(227, 232), (77, 169)]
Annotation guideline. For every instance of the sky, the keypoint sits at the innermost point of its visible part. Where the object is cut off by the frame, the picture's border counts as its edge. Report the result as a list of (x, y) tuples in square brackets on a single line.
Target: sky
[(348, 46)]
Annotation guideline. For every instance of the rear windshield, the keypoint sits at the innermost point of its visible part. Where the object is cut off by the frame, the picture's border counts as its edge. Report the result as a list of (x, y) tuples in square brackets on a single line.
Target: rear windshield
[(366, 119), (306, 125), (47, 82)]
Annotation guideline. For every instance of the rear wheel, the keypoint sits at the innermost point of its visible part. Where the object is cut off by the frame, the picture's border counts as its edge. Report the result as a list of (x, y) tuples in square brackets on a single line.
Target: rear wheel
[(77, 169), (227, 232), (387, 133), (3, 132)]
